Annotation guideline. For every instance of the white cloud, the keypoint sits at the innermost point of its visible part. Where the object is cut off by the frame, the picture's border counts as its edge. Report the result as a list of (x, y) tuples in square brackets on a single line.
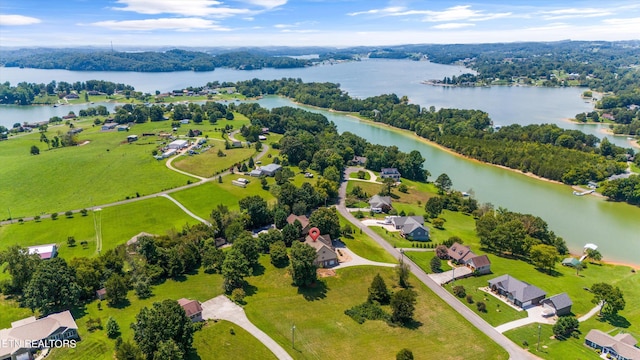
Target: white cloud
[(572, 13), (183, 7), (452, 26), (551, 26), (17, 20), (269, 4), (180, 24), (623, 21), (455, 13)]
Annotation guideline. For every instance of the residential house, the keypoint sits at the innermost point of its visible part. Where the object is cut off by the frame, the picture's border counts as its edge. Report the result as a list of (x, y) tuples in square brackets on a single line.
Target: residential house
[(325, 252), (379, 203), (45, 252), (459, 253), (256, 173), (178, 144), (122, 128), (262, 137), (411, 227), (236, 144), (192, 308), (359, 160), (72, 96), (265, 130), (304, 221), (480, 264), (519, 292), (392, 173), (620, 347), (560, 304), (26, 336), (101, 294)]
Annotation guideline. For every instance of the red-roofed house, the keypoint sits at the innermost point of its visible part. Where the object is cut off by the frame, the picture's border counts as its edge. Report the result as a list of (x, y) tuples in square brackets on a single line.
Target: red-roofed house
[(192, 308)]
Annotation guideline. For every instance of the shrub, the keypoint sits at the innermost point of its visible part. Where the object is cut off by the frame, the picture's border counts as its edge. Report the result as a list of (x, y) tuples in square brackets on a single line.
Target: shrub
[(459, 291), (54, 216), (481, 306), (113, 329), (238, 295), (84, 212), (367, 311), (68, 214), (94, 324), (470, 299)]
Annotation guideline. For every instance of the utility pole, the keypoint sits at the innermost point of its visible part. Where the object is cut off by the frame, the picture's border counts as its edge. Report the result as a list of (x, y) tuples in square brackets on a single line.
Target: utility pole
[(539, 327), (293, 336)]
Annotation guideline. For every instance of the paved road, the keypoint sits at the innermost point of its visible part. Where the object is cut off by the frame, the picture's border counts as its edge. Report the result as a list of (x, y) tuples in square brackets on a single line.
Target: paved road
[(534, 315), (515, 351), (221, 307), (357, 260), (447, 276), (262, 153)]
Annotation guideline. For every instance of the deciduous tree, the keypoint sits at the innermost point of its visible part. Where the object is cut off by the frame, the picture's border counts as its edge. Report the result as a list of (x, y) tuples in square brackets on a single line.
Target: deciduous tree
[(53, 287), (234, 269), (302, 267), (544, 256), (403, 305), (164, 321), (610, 297)]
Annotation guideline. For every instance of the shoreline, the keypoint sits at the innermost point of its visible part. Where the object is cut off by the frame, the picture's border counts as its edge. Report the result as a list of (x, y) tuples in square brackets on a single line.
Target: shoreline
[(608, 262)]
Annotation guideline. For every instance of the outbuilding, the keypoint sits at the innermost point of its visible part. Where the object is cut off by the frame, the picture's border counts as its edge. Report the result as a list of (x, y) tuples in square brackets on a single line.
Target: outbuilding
[(560, 304), (178, 144)]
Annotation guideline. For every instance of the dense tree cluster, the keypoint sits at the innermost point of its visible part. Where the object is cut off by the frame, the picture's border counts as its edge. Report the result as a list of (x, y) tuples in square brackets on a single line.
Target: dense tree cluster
[(24, 93), (623, 189), (504, 231)]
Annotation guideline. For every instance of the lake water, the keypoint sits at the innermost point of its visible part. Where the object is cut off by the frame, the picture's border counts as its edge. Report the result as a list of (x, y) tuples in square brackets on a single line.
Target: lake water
[(615, 227)]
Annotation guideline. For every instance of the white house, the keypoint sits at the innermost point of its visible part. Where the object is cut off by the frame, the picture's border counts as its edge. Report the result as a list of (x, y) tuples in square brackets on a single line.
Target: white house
[(178, 144)]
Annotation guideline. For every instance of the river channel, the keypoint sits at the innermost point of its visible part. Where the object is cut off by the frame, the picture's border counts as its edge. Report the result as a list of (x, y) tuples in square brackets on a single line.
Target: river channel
[(615, 227)]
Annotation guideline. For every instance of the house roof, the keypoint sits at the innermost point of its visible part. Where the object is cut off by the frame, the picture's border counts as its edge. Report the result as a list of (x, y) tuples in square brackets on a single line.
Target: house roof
[(458, 251), (34, 330), (255, 172), (191, 307), (102, 291), (271, 167), (480, 261), (559, 301), (520, 290), (400, 221), (322, 240), (304, 221), (378, 201), (411, 226), (570, 261), (178, 142), (44, 251), (605, 340), (389, 171), (626, 338)]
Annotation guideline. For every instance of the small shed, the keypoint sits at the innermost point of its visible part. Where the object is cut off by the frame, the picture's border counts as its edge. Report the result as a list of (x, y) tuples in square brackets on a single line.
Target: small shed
[(132, 138), (570, 261)]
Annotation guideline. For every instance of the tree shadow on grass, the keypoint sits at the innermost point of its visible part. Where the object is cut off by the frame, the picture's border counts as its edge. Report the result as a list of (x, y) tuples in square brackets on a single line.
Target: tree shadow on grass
[(412, 324), (616, 320), (193, 355), (79, 311), (249, 289), (316, 291), (180, 278), (550, 272), (121, 304), (258, 270)]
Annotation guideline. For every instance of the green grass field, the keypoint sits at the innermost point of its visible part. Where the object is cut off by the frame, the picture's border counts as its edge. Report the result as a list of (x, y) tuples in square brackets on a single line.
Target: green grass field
[(215, 342), (423, 259), (364, 246), (324, 331), (209, 163), (119, 224)]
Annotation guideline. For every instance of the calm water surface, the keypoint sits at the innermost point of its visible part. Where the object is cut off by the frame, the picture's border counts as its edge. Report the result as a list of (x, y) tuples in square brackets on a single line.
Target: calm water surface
[(614, 227)]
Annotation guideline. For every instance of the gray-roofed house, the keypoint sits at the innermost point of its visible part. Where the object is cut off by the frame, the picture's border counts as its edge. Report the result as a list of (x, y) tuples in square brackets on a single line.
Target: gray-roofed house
[(620, 347), (304, 221), (561, 304), (392, 173), (25, 336), (192, 308), (255, 173), (459, 253), (519, 292), (411, 227), (359, 160), (379, 203), (270, 170), (325, 252), (480, 264)]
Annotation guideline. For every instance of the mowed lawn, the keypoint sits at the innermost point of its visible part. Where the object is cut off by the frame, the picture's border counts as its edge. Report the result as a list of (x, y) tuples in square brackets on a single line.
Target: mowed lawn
[(118, 224), (96, 345), (104, 170), (209, 163), (324, 331), (215, 341)]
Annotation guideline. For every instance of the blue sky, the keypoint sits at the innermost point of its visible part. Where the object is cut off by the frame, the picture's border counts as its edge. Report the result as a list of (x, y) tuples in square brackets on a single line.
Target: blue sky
[(309, 22)]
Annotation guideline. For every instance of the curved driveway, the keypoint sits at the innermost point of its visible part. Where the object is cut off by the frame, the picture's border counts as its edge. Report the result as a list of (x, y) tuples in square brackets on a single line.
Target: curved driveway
[(515, 351)]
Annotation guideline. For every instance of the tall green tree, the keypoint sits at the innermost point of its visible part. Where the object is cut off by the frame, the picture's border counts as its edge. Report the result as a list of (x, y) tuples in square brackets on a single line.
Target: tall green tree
[(234, 269), (116, 287), (20, 265), (248, 246), (565, 326), (402, 306), (53, 287), (164, 321), (168, 350), (378, 291), (258, 210), (302, 267), (434, 206), (544, 256), (443, 183), (327, 220), (291, 233), (611, 298), (278, 254), (126, 350)]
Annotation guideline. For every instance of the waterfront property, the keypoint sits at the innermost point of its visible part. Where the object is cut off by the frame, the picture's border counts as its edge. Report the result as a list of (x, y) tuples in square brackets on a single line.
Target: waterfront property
[(28, 335), (571, 261), (620, 347), (392, 173), (45, 252), (192, 308), (460, 254), (325, 252), (560, 304), (518, 292), (480, 264)]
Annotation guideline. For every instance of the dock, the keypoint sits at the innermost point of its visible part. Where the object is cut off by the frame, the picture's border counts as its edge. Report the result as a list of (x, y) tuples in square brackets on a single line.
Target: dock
[(582, 193)]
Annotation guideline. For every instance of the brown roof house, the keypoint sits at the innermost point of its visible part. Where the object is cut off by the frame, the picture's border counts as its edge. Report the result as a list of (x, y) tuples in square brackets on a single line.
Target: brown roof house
[(459, 253), (620, 347), (304, 221), (325, 252), (518, 292), (101, 294), (480, 264), (192, 308), (28, 335)]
